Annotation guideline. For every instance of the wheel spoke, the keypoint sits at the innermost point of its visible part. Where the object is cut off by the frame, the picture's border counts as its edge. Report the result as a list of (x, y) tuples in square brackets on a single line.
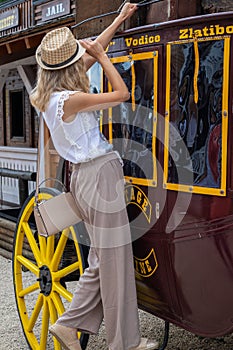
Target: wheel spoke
[(45, 326), (50, 248), (53, 318), (57, 345), (52, 310), (29, 290), (59, 251), (32, 242), (57, 287), (42, 245), (73, 234), (57, 303), (35, 313), (28, 264), (66, 271)]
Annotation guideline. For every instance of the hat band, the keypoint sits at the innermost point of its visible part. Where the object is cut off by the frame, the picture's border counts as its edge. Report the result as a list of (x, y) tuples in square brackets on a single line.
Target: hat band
[(62, 63)]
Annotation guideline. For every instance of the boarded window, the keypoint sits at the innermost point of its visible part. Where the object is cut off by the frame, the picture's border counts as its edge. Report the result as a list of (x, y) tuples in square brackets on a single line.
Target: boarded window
[(17, 114)]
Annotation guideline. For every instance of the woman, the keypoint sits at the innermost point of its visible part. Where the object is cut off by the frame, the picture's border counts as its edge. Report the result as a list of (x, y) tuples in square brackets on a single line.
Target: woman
[(107, 287)]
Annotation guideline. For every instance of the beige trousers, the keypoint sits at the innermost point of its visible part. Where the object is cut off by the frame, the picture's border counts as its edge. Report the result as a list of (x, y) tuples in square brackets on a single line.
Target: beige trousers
[(106, 290)]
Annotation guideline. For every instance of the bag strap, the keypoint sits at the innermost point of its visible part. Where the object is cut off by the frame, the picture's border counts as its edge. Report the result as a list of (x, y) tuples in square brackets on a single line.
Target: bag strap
[(41, 125), (52, 179), (38, 155)]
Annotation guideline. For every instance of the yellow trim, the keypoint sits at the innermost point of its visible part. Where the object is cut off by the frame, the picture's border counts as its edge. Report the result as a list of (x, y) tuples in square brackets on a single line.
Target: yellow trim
[(138, 181), (225, 107), (167, 114), (132, 58), (155, 117), (102, 90), (195, 189), (198, 189), (137, 56), (110, 117), (196, 71), (133, 85)]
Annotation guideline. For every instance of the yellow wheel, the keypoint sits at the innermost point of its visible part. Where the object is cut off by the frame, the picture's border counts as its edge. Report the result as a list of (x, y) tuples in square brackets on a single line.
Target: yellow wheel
[(45, 273)]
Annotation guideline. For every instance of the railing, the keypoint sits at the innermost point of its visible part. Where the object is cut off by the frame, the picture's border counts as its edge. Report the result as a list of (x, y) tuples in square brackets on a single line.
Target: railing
[(17, 159), (23, 177)]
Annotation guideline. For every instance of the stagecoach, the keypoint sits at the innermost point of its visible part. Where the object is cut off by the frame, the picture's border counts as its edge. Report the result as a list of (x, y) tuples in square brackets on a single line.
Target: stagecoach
[(174, 135)]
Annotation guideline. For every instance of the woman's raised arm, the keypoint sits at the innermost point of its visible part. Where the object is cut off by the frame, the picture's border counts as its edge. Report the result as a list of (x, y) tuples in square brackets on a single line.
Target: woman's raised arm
[(106, 36)]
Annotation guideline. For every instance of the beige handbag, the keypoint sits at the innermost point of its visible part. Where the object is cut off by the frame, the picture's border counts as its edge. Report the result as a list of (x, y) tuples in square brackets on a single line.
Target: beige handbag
[(57, 213)]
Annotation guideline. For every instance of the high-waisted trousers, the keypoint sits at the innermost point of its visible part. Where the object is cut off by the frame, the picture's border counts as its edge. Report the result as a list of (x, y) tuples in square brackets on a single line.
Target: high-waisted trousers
[(106, 290)]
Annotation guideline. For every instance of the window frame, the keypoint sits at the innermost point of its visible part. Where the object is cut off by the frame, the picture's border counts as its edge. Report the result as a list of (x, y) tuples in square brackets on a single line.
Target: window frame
[(221, 191), (131, 58)]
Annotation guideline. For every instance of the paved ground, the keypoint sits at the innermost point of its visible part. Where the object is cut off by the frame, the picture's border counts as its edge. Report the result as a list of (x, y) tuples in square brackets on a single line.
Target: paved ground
[(11, 335)]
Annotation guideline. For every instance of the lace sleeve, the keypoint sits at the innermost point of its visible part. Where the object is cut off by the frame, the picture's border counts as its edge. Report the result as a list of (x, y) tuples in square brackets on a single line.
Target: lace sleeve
[(60, 112), (62, 98)]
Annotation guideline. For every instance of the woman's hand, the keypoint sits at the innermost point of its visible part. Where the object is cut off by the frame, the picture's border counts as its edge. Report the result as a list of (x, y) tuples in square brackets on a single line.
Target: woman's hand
[(93, 48), (127, 11)]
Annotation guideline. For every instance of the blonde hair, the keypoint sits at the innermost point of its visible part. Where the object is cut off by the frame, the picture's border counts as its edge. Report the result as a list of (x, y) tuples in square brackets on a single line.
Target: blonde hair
[(71, 78)]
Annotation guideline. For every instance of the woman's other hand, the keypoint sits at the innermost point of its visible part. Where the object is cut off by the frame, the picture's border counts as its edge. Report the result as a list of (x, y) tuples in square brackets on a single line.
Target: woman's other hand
[(127, 11), (106, 36)]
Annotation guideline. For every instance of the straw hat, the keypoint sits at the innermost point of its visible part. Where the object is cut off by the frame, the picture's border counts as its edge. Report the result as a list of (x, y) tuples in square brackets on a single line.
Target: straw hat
[(58, 49)]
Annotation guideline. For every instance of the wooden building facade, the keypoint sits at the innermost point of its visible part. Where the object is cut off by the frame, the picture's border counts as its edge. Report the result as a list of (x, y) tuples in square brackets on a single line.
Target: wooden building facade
[(22, 27)]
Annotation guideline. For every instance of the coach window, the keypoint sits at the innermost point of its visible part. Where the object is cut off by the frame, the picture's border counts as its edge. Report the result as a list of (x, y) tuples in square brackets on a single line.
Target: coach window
[(197, 116), (132, 124)]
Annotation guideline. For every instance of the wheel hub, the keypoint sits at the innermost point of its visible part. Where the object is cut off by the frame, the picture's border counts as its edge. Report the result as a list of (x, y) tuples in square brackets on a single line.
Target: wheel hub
[(45, 280)]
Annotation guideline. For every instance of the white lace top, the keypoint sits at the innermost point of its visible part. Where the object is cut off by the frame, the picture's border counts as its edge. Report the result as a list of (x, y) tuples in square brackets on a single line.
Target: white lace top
[(79, 140)]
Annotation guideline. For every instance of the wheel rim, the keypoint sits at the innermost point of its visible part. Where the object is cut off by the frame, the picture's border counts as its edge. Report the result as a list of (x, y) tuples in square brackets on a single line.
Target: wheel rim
[(40, 277)]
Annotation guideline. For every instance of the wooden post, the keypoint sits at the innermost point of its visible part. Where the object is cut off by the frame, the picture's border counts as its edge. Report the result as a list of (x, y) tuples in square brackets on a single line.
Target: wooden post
[(45, 151), (3, 75), (27, 75)]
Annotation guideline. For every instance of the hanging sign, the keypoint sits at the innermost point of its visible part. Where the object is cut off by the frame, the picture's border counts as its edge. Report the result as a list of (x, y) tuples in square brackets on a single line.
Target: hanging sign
[(54, 9), (9, 19)]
